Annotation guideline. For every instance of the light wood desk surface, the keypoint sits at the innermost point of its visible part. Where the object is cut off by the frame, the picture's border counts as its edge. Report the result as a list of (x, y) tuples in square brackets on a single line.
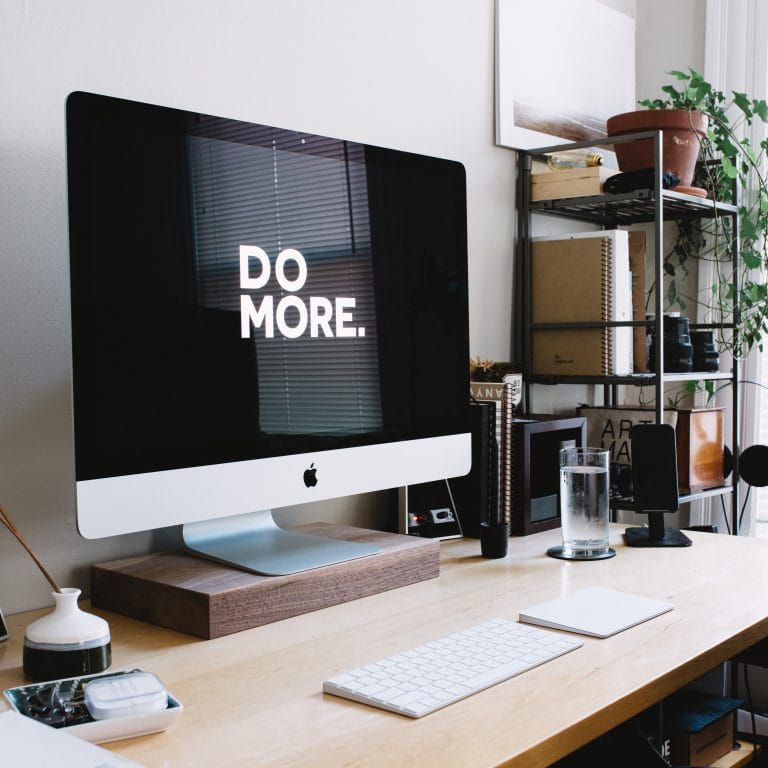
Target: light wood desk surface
[(255, 698)]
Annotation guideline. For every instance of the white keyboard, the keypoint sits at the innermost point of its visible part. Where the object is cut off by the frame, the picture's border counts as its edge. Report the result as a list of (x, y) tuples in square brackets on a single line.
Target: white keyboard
[(428, 677)]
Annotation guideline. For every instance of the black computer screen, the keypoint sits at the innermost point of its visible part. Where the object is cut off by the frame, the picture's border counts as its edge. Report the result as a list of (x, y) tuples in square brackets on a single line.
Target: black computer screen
[(241, 291)]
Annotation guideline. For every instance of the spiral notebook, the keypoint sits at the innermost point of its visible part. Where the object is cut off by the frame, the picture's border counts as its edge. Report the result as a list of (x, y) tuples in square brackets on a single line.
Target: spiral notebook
[(581, 278), (595, 611)]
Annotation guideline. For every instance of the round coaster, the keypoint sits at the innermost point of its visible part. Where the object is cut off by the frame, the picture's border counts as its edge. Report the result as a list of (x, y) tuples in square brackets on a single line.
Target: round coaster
[(561, 555)]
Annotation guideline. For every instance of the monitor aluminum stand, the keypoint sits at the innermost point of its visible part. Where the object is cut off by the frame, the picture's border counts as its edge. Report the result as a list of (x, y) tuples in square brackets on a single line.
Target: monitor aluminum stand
[(255, 542)]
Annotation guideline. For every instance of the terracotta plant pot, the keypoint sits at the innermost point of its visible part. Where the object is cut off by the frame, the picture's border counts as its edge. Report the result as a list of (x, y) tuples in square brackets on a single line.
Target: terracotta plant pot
[(682, 133)]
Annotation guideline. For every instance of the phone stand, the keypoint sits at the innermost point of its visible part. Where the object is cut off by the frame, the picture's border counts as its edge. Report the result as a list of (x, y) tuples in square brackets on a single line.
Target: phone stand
[(654, 483), (655, 535)]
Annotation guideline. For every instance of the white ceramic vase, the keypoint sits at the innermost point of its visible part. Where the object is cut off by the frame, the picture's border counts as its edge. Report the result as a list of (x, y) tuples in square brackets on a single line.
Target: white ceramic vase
[(68, 642)]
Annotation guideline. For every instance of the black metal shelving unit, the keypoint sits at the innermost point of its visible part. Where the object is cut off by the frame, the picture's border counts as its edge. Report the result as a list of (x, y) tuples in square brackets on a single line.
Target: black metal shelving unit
[(657, 206)]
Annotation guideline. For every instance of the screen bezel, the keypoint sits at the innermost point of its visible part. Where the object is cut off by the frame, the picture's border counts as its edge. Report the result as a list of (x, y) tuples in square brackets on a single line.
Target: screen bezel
[(201, 492)]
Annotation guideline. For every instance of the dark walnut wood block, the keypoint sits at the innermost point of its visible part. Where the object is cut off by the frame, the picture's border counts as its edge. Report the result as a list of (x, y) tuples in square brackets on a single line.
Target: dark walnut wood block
[(206, 599)]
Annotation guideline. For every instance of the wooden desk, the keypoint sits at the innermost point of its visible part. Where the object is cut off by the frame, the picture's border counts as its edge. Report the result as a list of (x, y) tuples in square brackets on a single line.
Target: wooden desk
[(254, 698)]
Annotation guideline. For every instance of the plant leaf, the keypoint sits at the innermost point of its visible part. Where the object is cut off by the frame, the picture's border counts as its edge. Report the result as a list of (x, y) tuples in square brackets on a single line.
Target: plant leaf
[(751, 258), (760, 108), (729, 169), (726, 146), (743, 103), (749, 152), (748, 231)]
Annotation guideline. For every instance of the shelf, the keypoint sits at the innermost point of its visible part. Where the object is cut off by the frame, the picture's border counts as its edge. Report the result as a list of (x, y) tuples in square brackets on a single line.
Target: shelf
[(626, 503), (696, 375), (633, 379), (654, 206), (634, 207)]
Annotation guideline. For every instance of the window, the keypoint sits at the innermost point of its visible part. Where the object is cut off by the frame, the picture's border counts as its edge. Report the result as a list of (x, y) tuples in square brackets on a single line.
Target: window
[(275, 195)]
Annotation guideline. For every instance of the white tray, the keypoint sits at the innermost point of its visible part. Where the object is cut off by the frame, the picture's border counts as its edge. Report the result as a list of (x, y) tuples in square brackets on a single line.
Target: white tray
[(100, 731)]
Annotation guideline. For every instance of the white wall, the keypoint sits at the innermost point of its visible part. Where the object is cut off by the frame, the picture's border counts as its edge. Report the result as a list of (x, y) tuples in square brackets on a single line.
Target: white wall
[(669, 35), (410, 74)]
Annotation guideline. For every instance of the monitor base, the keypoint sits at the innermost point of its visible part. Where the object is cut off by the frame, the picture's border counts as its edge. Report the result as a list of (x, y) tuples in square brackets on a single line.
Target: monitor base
[(641, 537), (254, 542), (202, 598)]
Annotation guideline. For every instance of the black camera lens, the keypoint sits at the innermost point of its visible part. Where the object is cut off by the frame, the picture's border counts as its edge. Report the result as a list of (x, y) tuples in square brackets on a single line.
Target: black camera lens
[(678, 350), (705, 354)]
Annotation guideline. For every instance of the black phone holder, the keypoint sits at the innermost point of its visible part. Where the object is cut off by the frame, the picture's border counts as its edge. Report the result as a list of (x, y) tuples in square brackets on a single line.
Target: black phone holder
[(656, 535), (654, 484)]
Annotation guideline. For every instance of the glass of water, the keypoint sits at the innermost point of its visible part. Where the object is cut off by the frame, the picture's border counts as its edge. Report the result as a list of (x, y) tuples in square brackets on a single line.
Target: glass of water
[(584, 490)]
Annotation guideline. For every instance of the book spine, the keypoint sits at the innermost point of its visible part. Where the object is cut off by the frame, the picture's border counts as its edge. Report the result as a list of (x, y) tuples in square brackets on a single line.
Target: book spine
[(507, 454), (491, 464), (637, 269), (607, 303)]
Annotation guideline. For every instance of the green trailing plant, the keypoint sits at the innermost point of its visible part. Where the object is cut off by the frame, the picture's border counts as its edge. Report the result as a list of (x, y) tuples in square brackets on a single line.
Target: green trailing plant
[(728, 162)]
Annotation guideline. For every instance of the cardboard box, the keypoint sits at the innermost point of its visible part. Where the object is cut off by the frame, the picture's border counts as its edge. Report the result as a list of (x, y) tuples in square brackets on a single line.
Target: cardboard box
[(699, 435), (573, 182), (700, 727)]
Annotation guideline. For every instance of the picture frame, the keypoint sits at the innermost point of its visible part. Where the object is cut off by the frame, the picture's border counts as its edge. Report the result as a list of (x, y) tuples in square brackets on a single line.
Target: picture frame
[(539, 102)]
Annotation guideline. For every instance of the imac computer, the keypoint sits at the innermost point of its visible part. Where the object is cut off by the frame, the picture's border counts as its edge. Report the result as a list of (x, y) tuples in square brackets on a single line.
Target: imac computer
[(260, 318)]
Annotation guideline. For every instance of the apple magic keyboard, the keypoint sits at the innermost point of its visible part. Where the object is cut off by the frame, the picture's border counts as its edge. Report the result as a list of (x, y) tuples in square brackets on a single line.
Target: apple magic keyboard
[(420, 680)]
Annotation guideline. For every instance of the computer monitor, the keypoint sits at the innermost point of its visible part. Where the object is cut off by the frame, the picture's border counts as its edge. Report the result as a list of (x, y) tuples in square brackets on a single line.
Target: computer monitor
[(260, 318)]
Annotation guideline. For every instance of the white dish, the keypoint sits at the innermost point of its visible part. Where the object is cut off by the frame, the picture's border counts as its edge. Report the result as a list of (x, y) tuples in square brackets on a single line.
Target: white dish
[(99, 731)]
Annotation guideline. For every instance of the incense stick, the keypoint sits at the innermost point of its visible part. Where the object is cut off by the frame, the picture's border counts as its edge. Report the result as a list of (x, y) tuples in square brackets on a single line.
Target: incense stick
[(11, 526)]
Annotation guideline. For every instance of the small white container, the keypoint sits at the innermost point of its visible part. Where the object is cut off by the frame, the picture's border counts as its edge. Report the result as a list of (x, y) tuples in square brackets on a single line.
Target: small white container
[(137, 693), (67, 642)]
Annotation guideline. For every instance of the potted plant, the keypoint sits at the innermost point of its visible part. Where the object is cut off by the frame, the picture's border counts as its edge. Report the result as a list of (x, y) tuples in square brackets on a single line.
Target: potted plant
[(727, 160), (683, 131)]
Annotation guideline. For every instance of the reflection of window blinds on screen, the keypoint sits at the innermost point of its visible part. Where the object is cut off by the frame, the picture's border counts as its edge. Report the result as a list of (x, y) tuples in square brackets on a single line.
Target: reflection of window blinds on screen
[(276, 199)]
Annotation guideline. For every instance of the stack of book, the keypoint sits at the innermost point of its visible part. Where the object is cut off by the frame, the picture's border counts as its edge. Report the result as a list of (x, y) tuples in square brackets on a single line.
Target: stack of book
[(506, 395)]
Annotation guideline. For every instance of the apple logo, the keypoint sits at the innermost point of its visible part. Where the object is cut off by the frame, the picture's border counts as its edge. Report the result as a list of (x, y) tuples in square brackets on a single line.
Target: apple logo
[(310, 476)]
